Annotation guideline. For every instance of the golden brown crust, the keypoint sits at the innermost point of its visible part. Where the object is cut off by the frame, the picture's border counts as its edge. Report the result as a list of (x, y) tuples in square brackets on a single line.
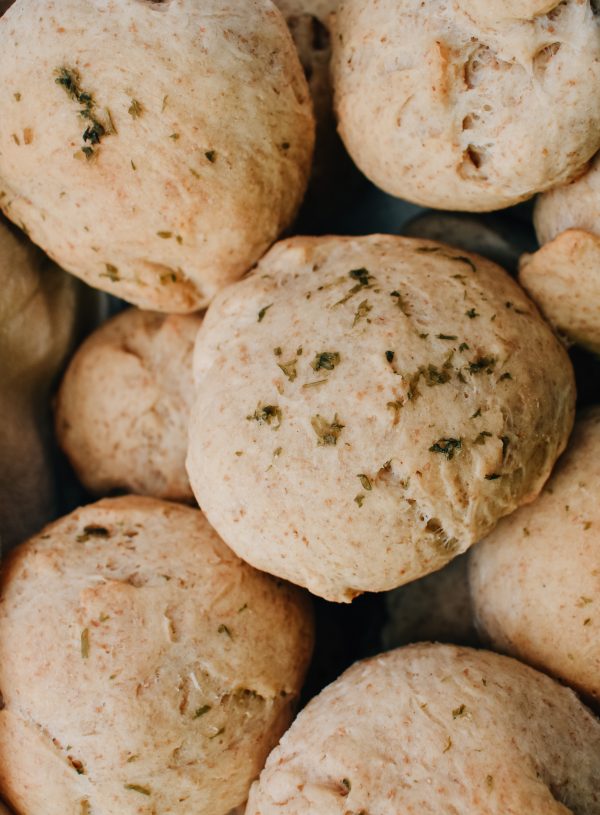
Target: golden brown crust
[(436, 729), (535, 582), (392, 397), (123, 406), (453, 110), (144, 667), (563, 278), (221, 106)]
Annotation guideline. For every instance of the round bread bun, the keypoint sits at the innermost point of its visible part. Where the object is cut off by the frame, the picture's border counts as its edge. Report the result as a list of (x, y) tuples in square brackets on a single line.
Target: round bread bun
[(535, 582), (123, 406), (446, 111), (563, 278), (570, 206), (367, 408), (436, 729), (144, 667), (153, 149)]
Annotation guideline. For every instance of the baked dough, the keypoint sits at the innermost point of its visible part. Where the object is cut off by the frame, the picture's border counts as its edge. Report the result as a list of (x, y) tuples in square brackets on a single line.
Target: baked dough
[(535, 582), (563, 278), (498, 11), (436, 729), (445, 110), (570, 206), (367, 408), (153, 149), (144, 668), (123, 407)]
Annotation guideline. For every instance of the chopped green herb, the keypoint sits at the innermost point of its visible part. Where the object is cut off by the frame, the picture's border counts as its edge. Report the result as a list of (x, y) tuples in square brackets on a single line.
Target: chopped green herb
[(477, 414), (363, 309), (175, 136), (446, 337), (314, 384), (289, 369), (446, 447), (327, 432), (482, 437), (346, 785), (138, 788), (326, 360), (277, 351), (262, 312), (135, 109), (222, 629), (400, 303), (360, 499), (448, 745), (493, 477), (504, 376), (362, 276), (489, 781), (396, 407), (365, 481), (389, 355), (211, 155), (486, 364), (219, 732), (471, 313), (201, 711), (458, 712), (85, 643), (69, 79), (111, 272), (463, 347), (267, 415), (165, 235)]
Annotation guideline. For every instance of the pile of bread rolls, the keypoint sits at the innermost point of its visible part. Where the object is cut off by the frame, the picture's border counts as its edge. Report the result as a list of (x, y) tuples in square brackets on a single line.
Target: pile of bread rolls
[(240, 461)]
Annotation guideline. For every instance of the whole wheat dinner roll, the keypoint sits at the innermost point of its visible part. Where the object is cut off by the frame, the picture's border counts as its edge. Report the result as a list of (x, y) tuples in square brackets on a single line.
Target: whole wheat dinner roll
[(563, 278), (570, 206), (535, 582), (436, 729), (123, 407), (144, 668), (367, 408), (155, 149), (446, 110)]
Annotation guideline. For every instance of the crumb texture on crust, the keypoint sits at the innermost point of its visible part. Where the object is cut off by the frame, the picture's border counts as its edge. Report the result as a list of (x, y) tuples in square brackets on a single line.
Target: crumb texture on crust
[(535, 582), (563, 278), (446, 109), (392, 397), (213, 92), (433, 728), (123, 406), (144, 667)]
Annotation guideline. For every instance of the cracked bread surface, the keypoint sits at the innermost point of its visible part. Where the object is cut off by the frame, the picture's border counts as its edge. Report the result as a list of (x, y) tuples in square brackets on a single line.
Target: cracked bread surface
[(432, 729), (123, 406), (368, 408), (440, 107), (145, 668)]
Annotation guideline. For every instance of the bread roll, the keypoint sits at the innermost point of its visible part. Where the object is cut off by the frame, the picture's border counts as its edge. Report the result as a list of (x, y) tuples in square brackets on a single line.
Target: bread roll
[(448, 110), (436, 729), (563, 278), (367, 408), (535, 582), (570, 206), (153, 149), (124, 404), (143, 667)]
